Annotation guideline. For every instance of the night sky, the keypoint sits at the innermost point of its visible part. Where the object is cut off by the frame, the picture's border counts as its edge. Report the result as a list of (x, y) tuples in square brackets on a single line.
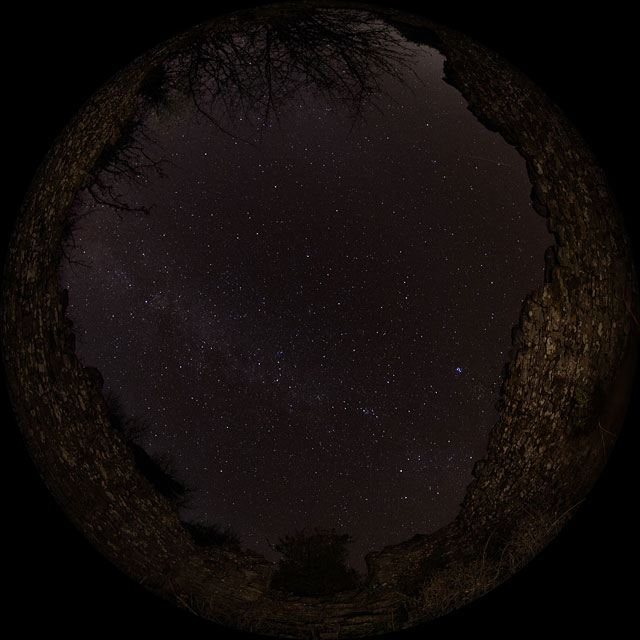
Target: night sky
[(313, 317)]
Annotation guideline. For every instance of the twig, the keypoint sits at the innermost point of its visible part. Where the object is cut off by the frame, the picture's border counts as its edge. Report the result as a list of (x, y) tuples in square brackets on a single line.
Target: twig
[(562, 515)]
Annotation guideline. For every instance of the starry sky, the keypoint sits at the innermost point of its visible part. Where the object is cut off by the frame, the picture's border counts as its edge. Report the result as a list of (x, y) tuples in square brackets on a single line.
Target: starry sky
[(313, 315)]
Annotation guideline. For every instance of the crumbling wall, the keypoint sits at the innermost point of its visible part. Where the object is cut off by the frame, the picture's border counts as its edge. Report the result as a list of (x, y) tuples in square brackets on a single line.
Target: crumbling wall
[(85, 464), (571, 366), (574, 330), (563, 395)]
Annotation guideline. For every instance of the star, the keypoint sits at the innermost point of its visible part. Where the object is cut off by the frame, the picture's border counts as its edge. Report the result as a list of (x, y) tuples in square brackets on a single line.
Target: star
[(280, 354)]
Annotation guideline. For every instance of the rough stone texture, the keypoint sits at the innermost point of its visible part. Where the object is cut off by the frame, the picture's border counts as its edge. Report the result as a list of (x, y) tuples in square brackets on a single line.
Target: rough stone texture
[(562, 402)]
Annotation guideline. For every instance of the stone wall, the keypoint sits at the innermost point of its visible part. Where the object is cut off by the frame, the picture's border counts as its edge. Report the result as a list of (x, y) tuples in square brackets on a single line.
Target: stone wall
[(85, 464), (562, 401), (574, 350)]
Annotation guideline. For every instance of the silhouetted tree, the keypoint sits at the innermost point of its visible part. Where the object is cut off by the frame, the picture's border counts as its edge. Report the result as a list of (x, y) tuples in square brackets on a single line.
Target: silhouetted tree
[(314, 563), (130, 158), (245, 69), (248, 67)]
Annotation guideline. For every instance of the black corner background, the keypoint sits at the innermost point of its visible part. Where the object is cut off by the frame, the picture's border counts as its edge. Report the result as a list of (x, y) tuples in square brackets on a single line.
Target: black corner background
[(583, 582)]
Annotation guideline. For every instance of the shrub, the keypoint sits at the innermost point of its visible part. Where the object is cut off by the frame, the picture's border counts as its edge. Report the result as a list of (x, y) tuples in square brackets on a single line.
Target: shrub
[(314, 563), (211, 535), (159, 471)]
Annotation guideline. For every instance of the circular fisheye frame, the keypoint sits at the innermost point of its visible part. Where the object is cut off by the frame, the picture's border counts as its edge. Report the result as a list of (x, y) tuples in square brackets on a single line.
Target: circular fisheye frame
[(319, 320)]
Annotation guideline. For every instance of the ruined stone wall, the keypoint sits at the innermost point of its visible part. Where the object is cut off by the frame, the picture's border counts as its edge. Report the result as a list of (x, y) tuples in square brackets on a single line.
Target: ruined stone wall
[(551, 439), (544, 453), (574, 350), (85, 464)]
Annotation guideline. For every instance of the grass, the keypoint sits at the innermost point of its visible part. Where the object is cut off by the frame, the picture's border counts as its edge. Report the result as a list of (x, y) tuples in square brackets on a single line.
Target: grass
[(459, 583)]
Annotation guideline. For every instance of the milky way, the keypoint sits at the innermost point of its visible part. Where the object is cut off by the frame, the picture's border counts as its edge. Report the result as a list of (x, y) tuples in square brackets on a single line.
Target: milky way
[(313, 316)]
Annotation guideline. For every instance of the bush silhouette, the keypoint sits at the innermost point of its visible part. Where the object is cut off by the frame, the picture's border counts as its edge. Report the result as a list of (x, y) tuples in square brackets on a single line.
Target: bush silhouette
[(211, 535), (157, 470), (314, 563)]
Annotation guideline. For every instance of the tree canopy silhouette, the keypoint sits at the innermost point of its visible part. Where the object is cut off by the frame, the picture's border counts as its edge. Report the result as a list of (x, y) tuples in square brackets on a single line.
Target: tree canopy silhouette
[(314, 563), (239, 73), (249, 67)]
